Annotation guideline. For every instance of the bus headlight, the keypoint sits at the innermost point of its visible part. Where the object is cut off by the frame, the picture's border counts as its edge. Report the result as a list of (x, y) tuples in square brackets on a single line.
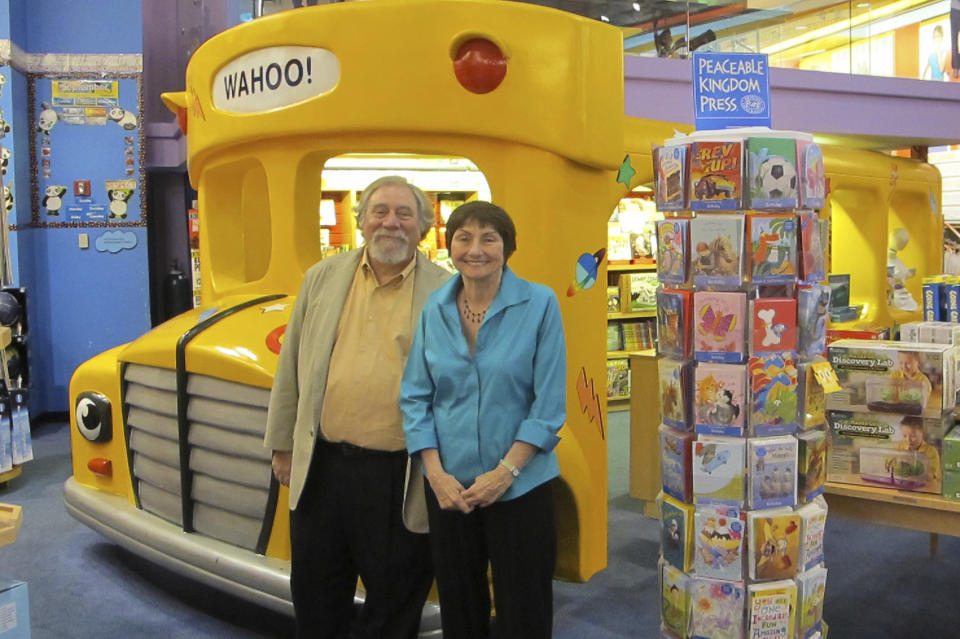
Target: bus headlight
[(94, 417)]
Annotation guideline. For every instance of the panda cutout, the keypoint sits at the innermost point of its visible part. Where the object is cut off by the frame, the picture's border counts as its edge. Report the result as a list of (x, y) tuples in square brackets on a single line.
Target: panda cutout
[(4, 125), (4, 159), (126, 119), (48, 118), (118, 202), (53, 198), (3, 81), (7, 198)]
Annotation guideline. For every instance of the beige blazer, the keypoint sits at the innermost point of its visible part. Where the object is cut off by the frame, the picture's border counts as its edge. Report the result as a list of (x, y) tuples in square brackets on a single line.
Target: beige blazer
[(293, 416)]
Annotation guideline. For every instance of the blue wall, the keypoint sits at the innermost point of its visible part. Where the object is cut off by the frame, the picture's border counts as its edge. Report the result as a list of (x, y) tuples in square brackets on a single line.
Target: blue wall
[(81, 301)]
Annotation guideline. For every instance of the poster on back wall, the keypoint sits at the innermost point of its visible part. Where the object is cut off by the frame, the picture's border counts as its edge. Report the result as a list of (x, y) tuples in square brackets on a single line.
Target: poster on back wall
[(86, 138)]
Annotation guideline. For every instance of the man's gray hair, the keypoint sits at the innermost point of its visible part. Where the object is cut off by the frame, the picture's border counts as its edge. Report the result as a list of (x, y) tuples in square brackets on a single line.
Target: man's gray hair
[(425, 211)]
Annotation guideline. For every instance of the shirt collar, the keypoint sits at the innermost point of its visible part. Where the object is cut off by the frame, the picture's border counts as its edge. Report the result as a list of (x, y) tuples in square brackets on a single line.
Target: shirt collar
[(367, 269), (513, 290)]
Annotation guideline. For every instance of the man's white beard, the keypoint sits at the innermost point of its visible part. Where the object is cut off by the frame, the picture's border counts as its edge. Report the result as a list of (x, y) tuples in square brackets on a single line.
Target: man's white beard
[(389, 252)]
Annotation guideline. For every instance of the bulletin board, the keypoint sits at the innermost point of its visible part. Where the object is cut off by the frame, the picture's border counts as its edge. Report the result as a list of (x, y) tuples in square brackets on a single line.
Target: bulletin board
[(86, 150)]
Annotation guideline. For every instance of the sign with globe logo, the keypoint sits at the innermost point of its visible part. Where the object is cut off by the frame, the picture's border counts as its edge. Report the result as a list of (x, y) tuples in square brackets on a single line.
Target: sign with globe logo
[(730, 90)]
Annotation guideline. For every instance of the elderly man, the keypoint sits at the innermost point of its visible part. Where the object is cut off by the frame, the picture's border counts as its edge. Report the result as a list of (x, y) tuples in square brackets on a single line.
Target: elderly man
[(335, 428)]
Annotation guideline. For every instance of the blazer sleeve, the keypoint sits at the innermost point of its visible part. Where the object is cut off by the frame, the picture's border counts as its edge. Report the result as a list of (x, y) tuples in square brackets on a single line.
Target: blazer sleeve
[(549, 408), (285, 394), (416, 394)]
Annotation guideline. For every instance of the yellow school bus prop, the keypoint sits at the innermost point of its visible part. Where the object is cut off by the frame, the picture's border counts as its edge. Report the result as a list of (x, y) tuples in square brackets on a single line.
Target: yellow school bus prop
[(871, 194), (166, 431)]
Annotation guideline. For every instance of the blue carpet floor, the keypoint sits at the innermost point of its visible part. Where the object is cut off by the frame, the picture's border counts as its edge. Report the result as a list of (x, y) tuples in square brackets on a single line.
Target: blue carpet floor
[(882, 581)]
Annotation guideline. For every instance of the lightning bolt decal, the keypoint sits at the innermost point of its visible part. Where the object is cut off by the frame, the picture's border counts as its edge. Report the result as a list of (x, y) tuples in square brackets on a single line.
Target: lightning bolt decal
[(589, 402)]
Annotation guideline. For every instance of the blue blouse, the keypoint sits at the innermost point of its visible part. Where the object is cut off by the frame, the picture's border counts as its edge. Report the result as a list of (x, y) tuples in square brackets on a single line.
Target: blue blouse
[(473, 408)]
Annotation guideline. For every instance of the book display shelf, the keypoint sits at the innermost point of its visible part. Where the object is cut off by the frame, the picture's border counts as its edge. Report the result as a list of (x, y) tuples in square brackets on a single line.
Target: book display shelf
[(631, 292), (741, 313)]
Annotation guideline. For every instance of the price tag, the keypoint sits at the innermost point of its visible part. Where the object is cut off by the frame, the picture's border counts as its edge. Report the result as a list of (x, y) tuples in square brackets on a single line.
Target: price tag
[(826, 376)]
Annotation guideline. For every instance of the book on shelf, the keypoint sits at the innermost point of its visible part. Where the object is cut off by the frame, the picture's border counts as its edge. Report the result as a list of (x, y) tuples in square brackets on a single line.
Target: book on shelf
[(813, 188), (771, 609), (670, 167), (811, 463), (673, 250), (811, 588), (772, 378), (773, 324), (773, 247), (716, 176), (813, 258), (674, 599), (618, 246), (773, 543), (773, 173), (720, 393), (717, 608), (642, 288), (813, 524), (812, 409), (674, 310), (718, 470), (614, 337), (613, 299), (719, 320), (638, 335), (716, 250), (676, 532), (618, 378), (772, 471), (676, 392), (719, 533), (676, 466)]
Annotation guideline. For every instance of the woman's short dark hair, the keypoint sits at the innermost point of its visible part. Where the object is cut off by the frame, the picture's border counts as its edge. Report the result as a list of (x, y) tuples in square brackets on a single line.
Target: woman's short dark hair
[(484, 214)]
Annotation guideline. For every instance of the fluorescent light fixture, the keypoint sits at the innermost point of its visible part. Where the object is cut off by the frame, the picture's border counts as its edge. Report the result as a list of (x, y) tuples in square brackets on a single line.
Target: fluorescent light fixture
[(636, 6), (605, 18)]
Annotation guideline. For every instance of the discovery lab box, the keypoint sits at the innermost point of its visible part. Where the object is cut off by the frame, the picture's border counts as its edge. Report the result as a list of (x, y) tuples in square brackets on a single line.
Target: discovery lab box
[(900, 378), (887, 451), (14, 610)]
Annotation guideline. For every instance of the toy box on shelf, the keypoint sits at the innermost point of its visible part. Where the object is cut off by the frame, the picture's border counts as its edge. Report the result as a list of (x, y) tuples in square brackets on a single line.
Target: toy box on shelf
[(886, 450)]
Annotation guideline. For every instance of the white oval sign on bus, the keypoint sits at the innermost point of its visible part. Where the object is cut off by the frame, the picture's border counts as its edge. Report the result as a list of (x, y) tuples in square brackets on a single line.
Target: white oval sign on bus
[(275, 77)]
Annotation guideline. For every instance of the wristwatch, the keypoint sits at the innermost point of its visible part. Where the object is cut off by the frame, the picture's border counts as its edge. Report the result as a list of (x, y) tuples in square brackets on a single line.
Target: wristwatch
[(513, 469)]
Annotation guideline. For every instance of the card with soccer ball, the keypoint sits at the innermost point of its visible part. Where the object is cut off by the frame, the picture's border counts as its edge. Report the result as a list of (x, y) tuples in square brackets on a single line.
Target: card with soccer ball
[(772, 173)]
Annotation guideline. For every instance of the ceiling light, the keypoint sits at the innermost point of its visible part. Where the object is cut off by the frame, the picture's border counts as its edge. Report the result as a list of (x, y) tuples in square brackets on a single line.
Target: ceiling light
[(604, 18), (636, 6)]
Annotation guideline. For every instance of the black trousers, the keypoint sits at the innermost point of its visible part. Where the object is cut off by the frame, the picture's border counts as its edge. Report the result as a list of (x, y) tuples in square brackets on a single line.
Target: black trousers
[(348, 523), (519, 541)]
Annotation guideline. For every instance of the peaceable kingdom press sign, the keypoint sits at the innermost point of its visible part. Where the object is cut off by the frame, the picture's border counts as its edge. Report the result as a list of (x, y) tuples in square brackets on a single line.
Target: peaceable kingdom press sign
[(730, 90)]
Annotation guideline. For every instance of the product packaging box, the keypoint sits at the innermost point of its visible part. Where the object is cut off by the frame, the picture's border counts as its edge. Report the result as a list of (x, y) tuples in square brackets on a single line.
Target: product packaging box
[(11, 516), (932, 299), (859, 331), (14, 609), (892, 451), (893, 377), (951, 485), (951, 450), (938, 333), (910, 331)]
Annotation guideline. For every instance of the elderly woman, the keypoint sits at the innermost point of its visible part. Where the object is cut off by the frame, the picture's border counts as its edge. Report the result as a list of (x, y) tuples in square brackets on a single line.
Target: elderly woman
[(483, 396)]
